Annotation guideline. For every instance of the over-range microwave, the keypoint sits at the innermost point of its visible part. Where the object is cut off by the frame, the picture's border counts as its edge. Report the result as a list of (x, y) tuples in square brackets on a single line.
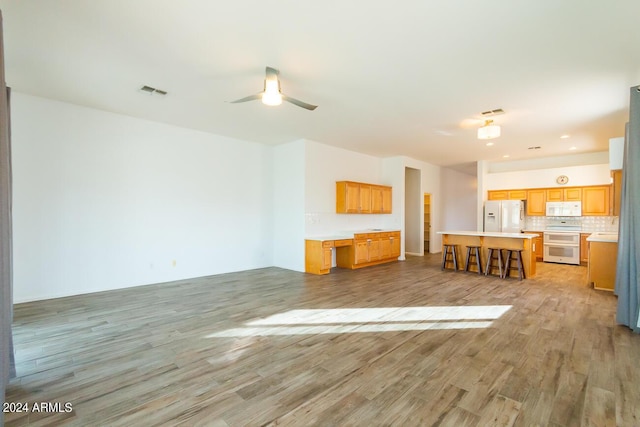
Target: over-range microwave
[(564, 209)]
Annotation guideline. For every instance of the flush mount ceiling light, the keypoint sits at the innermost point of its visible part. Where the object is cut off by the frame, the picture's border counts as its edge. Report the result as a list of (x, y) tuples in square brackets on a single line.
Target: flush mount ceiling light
[(489, 130)]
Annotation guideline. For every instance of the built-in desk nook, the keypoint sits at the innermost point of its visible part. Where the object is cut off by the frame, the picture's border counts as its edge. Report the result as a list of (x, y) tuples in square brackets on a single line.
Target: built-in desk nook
[(353, 250), (485, 240)]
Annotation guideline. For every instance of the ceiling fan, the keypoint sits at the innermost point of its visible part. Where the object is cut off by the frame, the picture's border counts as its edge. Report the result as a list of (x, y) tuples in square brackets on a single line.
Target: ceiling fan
[(272, 94)]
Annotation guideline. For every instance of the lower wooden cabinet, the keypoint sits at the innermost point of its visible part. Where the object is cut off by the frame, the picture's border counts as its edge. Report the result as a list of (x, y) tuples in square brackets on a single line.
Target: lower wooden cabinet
[(363, 250), (584, 248), (537, 245), (319, 254), (370, 249)]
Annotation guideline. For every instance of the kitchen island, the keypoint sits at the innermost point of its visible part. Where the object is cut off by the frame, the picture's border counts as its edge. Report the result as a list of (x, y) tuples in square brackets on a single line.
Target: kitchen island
[(486, 240), (603, 256)]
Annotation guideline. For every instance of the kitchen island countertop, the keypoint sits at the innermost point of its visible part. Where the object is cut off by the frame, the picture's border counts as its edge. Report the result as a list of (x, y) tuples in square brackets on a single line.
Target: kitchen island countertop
[(492, 234)]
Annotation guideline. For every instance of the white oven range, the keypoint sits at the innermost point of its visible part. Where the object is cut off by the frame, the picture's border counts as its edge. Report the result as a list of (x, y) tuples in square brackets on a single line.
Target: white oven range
[(561, 241)]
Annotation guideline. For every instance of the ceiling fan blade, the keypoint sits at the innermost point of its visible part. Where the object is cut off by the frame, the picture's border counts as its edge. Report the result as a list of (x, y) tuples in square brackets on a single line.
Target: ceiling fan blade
[(272, 73), (299, 103), (248, 98)]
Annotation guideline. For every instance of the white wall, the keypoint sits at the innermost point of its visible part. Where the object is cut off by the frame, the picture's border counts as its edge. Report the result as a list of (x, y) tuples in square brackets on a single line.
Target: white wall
[(460, 201), (324, 166), (105, 201), (289, 201), (597, 174), (393, 171)]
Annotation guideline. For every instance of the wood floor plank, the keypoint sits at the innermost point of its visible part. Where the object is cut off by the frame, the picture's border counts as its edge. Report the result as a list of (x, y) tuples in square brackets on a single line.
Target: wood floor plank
[(219, 351)]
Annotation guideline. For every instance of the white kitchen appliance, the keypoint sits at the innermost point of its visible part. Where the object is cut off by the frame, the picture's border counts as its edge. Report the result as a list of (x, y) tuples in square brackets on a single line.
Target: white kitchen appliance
[(561, 241), (506, 216), (564, 209)]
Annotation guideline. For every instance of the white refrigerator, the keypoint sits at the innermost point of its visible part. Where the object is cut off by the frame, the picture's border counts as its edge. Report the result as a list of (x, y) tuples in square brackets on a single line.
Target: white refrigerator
[(506, 216)]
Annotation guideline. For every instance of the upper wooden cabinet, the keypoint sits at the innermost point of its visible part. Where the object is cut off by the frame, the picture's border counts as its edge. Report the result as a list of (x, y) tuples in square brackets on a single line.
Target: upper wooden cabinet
[(362, 198), (536, 202), (595, 200), (507, 195), (616, 191), (571, 194), (380, 199)]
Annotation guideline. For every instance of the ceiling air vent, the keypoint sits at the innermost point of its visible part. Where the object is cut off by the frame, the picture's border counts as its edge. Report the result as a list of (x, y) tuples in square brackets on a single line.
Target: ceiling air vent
[(495, 112), (152, 90)]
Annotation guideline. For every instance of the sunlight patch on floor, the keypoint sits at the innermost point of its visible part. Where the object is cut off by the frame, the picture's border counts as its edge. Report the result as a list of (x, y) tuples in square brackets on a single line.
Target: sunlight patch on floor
[(359, 320)]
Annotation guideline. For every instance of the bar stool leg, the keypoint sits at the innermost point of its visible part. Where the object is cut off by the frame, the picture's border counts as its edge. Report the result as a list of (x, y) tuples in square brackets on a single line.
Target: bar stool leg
[(444, 257), (520, 266), (478, 261), (466, 267), (507, 267)]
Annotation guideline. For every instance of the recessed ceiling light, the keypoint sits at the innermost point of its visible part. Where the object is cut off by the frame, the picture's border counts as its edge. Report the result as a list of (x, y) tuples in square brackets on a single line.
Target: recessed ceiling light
[(489, 144), (505, 156), (573, 148), (565, 136)]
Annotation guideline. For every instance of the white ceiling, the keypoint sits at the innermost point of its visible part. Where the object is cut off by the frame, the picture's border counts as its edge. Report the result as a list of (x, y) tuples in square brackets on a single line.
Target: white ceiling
[(390, 78)]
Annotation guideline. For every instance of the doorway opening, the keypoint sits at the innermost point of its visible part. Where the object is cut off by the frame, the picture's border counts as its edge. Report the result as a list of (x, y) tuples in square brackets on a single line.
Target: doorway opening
[(427, 222), (412, 212)]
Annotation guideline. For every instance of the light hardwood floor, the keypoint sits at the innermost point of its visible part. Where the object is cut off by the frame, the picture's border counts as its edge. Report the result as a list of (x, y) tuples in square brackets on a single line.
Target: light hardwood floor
[(276, 347)]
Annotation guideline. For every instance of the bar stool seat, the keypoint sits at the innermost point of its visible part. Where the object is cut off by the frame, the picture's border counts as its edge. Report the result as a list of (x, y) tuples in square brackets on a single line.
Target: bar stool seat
[(473, 252), (494, 254), (509, 263), (449, 250)]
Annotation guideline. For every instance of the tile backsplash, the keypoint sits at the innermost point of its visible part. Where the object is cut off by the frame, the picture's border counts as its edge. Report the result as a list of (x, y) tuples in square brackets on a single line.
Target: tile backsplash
[(589, 223)]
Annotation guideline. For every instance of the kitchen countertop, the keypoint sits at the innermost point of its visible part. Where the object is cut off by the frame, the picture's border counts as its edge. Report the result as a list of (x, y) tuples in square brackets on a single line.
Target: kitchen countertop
[(603, 236), (491, 234), (350, 234)]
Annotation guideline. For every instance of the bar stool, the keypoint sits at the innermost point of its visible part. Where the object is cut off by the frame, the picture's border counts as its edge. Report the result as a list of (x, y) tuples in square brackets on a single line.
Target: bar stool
[(449, 250), (473, 252), (509, 261), (495, 254)]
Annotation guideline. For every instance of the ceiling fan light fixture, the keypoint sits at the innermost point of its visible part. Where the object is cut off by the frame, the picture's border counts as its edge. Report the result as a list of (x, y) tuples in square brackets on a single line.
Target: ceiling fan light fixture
[(489, 130), (271, 95)]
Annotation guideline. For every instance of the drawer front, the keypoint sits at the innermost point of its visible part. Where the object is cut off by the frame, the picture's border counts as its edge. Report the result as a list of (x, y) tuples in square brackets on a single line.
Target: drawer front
[(345, 242), (327, 243)]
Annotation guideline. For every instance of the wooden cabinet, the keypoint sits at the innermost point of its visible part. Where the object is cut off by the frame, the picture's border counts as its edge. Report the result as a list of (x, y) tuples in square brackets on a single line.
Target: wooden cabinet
[(380, 199), (536, 202), (536, 245), (602, 265), (347, 197), (584, 248), (319, 254), (394, 239), (571, 194), (370, 249), (595, 200), (616, 192), (365, 198), (358, 197), (367, 247), (507, 195)]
